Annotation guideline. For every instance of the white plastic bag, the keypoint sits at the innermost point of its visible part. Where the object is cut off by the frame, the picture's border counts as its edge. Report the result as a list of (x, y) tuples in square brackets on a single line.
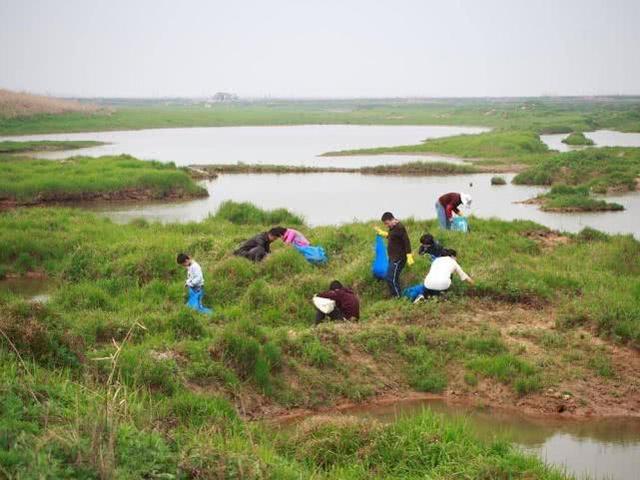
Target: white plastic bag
[(325, 305)]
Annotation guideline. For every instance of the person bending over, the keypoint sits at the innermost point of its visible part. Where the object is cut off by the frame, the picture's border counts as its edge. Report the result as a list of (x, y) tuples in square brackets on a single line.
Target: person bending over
[(347, 304), (398, 250), (290, 236), (430, 246), (438, 279), (448, 204), (256, 248)]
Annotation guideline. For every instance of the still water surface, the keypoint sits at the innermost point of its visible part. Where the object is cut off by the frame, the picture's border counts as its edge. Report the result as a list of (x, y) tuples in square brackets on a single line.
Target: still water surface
[(602, 138), (286, 145), (334, 198), (597, 448)]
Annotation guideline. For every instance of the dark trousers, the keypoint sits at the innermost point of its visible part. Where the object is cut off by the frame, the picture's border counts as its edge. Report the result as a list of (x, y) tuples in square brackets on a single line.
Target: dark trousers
[(335, 314), (393, 276), (427, 292), (256, 254)]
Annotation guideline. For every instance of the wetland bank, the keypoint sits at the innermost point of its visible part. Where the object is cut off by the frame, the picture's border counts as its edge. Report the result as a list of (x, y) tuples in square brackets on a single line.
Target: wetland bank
[(113, 368)]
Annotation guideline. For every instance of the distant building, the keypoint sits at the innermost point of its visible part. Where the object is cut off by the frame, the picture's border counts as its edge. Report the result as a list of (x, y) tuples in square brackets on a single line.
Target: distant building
[(223, 97)]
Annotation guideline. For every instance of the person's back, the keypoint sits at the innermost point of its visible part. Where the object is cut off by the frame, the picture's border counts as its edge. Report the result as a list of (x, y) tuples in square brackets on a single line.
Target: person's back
[(439, 276), (398, 243), (294, 237), (346, 300), (256, 248)]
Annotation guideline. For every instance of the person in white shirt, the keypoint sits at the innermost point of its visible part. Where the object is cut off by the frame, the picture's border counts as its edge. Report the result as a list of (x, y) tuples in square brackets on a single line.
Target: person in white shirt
[(195, 282), (438, 279)]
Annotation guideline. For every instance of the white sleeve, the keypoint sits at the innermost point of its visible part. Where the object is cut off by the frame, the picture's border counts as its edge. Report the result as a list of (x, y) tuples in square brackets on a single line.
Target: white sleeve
[(463, 276)]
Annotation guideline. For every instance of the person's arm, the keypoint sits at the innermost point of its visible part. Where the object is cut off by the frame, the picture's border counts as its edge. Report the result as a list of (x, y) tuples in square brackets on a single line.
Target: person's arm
[(330, 294), (463, 276), (407, 247), (381, 232)]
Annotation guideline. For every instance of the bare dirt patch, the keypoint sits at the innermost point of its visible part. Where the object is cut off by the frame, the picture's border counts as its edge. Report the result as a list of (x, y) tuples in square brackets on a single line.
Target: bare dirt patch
[(547, 239)]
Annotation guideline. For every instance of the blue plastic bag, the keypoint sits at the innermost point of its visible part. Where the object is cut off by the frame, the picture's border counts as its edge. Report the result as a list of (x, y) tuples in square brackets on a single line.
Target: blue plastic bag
[(460, 224), (313, 254), (195, 301), (380, 260), (413, 292)]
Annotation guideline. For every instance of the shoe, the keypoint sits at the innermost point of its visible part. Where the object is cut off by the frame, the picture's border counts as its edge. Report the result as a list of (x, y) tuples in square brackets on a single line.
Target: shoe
[(418, 299)]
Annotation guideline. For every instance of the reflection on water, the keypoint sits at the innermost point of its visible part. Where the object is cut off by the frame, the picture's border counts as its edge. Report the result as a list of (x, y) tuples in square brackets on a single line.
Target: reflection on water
[(33, 289), (286, 145), (603, 448), (333, 198), (602, 138)]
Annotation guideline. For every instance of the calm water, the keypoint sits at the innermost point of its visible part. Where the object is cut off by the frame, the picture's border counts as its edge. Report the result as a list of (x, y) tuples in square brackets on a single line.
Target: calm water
[(333, 198), (604, 448), (33, 289), (287, 145), (602, 138)]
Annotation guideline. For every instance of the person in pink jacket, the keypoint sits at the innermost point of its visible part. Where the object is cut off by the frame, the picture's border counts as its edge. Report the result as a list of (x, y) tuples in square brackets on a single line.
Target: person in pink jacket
[(290, 236)]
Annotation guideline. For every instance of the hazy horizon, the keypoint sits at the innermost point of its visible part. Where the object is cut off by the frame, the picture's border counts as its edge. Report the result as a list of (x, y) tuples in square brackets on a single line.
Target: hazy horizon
[(334, 50)]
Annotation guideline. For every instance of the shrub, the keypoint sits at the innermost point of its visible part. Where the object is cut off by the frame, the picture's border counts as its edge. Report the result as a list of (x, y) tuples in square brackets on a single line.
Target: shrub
[(142, 455), (39, 335), (187, 323), (326, 441), (197, 410), (247, 213), (498, 181)]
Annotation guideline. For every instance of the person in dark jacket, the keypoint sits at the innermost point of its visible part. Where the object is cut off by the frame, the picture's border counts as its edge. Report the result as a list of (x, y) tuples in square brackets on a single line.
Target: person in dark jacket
[(448, 204), (398, 249), (430, 246), (347, 303), (256, 248)]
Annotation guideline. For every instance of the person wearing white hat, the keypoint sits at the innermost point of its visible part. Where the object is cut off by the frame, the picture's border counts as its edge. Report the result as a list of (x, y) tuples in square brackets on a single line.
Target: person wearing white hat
[(448, 204)]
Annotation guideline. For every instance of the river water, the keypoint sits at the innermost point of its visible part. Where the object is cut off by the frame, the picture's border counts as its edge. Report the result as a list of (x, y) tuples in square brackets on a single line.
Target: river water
[(282, 145), (330, 198), (594, 449), (334, 198), (602, 138)]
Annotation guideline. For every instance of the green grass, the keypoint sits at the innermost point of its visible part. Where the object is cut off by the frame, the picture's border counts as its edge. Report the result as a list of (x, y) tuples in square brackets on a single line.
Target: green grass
[(410, 168), (26, 180), (600, 169), (541, 115), (171, 401), (423, 446), (576, 139), (8, 146), (506, 146), (564, 198)]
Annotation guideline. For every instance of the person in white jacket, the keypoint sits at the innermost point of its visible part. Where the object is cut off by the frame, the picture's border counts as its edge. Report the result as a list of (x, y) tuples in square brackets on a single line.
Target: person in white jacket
[(438, 279)]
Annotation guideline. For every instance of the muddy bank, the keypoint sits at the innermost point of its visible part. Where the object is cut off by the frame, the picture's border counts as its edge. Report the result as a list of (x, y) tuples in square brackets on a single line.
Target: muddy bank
[(127, 195)]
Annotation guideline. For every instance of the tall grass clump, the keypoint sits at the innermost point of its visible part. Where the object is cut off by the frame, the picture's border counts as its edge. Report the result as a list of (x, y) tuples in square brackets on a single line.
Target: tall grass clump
[(247, 213)]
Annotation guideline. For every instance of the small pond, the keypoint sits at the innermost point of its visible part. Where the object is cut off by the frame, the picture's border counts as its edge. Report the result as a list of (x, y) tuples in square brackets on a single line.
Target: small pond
[(593, 448)]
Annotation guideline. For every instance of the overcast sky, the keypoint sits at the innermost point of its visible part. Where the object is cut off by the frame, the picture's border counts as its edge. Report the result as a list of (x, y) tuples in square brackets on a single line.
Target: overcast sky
[(322, 48)]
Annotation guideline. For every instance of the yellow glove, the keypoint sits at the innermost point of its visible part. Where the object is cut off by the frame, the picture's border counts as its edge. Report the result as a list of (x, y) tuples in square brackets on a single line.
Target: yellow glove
[(381, 232), (410, 260)]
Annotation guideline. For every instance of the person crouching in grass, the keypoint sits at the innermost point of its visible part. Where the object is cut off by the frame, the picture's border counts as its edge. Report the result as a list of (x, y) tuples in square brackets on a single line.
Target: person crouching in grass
[(438, 280), (346, 304), (195, 282)]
